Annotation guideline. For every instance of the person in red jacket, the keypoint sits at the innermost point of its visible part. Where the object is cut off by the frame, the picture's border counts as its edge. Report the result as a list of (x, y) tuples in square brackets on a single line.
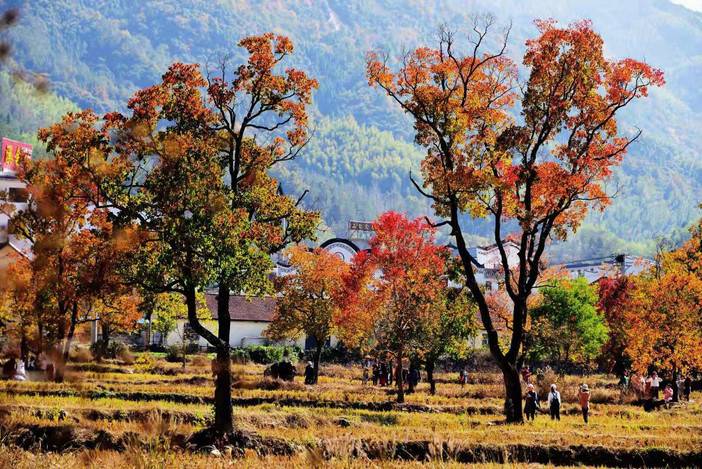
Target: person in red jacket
[(584, 398)]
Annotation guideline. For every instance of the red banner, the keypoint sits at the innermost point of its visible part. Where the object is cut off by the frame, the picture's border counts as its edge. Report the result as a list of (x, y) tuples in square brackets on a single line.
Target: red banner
[(12, 152)]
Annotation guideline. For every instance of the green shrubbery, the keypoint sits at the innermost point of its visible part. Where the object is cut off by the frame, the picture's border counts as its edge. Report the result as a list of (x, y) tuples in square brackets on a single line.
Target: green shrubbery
[(114, 349), (265, 354)]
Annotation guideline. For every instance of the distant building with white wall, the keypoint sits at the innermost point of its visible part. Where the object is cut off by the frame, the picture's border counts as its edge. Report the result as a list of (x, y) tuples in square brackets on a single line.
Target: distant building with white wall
[(249, 319), (609, 266)]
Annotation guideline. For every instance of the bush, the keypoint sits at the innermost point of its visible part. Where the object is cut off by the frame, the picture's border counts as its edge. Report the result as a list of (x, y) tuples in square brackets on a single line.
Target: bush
[(340, 354), (145, 360), (125, 356), (174, 353), (265, 354), (240, 355), (114, 349), (81, 355)]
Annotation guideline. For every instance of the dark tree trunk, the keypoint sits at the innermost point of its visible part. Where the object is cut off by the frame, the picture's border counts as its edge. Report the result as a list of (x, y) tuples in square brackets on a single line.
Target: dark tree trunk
[(676, 390), (398, 379), (221, 366), (317, 358), (24, 349), (104, 344), (513, 394), (430, 377), (224, 420), (64, 354)]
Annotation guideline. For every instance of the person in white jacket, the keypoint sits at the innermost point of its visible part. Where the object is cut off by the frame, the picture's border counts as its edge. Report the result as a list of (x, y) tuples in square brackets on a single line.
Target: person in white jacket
[(554, 403)]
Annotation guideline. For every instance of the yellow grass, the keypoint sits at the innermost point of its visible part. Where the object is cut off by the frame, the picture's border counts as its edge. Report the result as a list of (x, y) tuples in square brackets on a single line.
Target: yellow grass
[(326, 421)]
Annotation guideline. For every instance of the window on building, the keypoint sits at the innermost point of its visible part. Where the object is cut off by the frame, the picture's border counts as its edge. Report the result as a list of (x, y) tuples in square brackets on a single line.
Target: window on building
[(485, 340), (488, 286)]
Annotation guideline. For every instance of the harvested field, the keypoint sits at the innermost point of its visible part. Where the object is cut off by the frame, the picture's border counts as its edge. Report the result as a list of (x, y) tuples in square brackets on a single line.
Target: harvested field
[(113, 415)]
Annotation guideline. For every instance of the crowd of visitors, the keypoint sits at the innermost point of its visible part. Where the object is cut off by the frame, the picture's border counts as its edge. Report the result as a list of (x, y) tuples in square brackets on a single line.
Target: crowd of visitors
[(383, 373), (647, 389)]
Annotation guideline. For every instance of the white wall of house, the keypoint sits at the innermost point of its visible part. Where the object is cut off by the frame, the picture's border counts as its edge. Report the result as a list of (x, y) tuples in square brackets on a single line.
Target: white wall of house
[(241, 334)]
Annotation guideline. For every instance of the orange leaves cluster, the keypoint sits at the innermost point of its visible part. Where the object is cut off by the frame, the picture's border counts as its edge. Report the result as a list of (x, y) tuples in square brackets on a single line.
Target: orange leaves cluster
[(311, 297), (547, 167), (662, 311), (75, 253), (664, 322)]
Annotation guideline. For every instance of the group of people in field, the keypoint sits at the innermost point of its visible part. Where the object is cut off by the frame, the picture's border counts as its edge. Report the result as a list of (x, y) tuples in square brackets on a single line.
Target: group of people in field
[(648, 389), (553, 400), (382, 373), (532, 403)]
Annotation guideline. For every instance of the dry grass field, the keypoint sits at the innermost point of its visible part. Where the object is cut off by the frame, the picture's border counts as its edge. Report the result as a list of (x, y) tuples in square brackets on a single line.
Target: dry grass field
[(143, 415)]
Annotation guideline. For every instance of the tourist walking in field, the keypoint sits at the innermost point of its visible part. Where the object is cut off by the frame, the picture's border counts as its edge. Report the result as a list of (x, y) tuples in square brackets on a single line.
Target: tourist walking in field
[(463, 377), (584, 398), (531, 402), (554, 403)]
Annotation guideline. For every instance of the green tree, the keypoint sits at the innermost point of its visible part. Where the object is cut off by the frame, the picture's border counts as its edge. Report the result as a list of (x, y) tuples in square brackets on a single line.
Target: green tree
[(567, 328), (448, 337)]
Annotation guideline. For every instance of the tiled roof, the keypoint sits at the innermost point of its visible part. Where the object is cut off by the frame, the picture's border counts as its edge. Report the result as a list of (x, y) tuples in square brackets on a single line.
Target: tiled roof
[(242, 308)]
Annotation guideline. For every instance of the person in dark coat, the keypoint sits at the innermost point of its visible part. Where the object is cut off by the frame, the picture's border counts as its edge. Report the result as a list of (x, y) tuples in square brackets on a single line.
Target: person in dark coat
[(554, 403), (531, 402), (687, 388), (309, 373), (383, 374)]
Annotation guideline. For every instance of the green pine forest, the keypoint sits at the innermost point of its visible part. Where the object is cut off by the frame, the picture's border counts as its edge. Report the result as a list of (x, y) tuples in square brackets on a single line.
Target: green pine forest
[(97, 53)]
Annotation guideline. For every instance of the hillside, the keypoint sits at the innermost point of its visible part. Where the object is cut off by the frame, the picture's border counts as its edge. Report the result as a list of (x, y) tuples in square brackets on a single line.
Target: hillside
[(97, 53)]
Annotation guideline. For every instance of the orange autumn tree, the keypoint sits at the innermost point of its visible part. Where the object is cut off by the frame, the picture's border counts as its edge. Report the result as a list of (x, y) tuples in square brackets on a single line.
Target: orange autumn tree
[(392, 295), (75, 255), (189, 164), (309, 298), (18, 319), (261, 121), (613, 293), (663, 316), (537, 173)]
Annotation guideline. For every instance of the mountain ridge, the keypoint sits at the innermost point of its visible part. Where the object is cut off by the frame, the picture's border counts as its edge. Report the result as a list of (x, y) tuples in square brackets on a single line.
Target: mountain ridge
[(97, 53)]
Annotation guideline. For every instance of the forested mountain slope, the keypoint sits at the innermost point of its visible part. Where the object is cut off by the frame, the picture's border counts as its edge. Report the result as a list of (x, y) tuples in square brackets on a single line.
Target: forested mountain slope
[(96, 53)]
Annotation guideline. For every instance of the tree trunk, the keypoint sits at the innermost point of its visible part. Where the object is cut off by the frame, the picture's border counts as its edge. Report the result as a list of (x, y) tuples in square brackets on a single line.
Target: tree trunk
[(317, 358), (224, 420), (105, 339), (24, 349), (513, 394), (506, 361), (65, 353), (398, 379), (147, 341), (676, 390), (430, 377)]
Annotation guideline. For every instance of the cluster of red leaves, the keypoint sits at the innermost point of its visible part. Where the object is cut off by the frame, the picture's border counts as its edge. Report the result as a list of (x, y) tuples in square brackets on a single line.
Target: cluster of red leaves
[(392, 288)]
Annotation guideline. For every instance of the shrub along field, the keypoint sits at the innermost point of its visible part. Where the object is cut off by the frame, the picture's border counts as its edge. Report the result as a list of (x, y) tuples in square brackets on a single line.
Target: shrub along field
[(111, 414)]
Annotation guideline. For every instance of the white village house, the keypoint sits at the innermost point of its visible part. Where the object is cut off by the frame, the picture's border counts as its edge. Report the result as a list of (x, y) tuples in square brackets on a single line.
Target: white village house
[(250, 316)]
